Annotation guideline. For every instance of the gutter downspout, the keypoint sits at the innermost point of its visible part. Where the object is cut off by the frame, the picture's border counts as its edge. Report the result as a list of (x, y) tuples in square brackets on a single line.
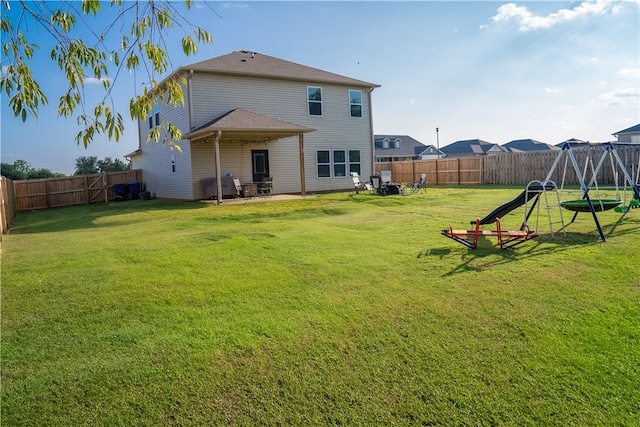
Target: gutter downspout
[(373, 143), (218, 176), (190, 106)]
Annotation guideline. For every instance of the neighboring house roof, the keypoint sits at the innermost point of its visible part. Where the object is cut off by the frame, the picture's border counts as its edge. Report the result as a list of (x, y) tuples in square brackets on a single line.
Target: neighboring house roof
[(406, 146), (428, 150), (247, 63), (468, 146), (572, 142), (632, 129), (518, 145), (239, 124)]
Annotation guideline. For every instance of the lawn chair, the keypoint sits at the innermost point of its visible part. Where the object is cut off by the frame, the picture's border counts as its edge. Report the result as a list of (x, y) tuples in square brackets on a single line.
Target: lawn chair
[(420, 184), (385, 176), (378, 185), (390, 186), (357, 184)]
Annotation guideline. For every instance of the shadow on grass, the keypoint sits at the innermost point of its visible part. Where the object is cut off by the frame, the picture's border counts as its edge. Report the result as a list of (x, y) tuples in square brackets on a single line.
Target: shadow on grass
[(140, 212), (87, 216), (489, 255)]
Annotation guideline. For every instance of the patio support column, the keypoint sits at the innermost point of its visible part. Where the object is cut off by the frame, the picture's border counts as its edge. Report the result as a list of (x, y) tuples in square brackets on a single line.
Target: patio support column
[(216, 144), (301, 150)]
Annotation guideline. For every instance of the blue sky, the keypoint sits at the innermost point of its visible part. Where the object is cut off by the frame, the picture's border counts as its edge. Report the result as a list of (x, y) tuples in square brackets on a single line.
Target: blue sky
[(497, 71)]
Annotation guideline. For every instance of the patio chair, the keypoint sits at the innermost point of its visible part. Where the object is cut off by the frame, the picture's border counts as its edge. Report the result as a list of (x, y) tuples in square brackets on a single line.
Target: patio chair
[(265, 187), (359, 185), (378, 185), (385, 176), (390, 186), (238, 186)]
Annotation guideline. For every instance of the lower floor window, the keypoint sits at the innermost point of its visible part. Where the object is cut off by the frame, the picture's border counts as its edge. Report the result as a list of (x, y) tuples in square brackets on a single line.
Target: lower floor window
[(337, 163)]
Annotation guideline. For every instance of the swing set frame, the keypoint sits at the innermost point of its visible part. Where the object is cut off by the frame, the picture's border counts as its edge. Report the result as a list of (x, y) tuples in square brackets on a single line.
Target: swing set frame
[(587, 204)]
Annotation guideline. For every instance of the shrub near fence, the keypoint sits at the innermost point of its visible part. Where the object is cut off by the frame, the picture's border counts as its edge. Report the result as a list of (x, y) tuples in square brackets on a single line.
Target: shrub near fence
[(38, 194)]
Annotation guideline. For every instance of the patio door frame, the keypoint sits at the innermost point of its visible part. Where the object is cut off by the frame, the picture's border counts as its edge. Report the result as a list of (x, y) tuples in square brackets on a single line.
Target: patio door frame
[(259, 165)]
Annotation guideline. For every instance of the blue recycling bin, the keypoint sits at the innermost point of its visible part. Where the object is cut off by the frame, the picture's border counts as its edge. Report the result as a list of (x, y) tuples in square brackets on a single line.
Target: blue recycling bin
[(134, 189)]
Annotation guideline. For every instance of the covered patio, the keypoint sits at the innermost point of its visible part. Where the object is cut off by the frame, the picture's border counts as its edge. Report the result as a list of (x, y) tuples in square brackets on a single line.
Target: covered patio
[(241, 125)]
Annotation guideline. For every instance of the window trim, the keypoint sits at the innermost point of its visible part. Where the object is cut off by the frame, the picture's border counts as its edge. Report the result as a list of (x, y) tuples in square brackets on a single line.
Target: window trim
[(320, 102), (334, 163), (318, 164), (352, 104), (348, 164)]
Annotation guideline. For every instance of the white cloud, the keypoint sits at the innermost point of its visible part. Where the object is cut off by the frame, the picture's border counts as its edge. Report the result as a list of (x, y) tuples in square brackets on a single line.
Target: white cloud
[(529, 21), (235, 5), (551, 90), (623, 96), (629, 72), (95, 81)]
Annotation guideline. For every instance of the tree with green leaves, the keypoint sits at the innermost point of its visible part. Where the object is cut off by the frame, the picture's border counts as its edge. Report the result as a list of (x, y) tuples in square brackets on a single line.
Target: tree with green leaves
[(109, 165), (86, 165), (142, 49), (21, 169)]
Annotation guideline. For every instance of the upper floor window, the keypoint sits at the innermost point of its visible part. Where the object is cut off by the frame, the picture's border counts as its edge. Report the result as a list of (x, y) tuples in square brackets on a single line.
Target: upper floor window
[(154, 115), (355, 103), (385, 143), (314, 96)]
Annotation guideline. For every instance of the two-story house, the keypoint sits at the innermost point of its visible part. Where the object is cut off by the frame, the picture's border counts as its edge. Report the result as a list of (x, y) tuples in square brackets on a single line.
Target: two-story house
[(394, 148), (629, 135), (251, 115)]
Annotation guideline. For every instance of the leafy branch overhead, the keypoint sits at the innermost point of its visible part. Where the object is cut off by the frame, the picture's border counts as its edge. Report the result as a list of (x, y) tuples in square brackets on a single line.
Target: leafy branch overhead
[(101, 57)]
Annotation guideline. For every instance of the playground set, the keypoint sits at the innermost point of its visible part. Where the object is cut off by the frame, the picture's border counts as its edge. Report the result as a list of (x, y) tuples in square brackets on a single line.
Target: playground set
[(530, 198)]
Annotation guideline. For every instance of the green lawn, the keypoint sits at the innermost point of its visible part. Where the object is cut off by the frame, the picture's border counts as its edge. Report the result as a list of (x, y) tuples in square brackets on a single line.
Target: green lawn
[(336, 309)]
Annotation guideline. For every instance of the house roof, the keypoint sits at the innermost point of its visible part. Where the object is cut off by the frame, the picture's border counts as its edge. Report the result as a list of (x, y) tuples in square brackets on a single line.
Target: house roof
[(573, 142), (408, 147), (240, 124), (632, 129), (476, 146), (528, 145), (247, 63)]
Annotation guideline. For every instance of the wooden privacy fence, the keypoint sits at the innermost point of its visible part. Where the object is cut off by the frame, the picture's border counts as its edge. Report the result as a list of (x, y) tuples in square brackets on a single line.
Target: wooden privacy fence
[(8, 207), (515, 168), (456, 171), (35, 194), (522, 168)]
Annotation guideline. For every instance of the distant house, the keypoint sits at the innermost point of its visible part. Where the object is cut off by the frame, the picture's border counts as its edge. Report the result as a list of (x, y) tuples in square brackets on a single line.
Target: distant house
[(257, 117), (573, 142), (521, 145), (629, 135), (472, 148), (394, 148)]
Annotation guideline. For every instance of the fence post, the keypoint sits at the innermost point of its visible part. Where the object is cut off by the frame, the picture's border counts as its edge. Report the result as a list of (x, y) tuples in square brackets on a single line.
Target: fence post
[(106, 187), (437, 173), (86, 189)]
